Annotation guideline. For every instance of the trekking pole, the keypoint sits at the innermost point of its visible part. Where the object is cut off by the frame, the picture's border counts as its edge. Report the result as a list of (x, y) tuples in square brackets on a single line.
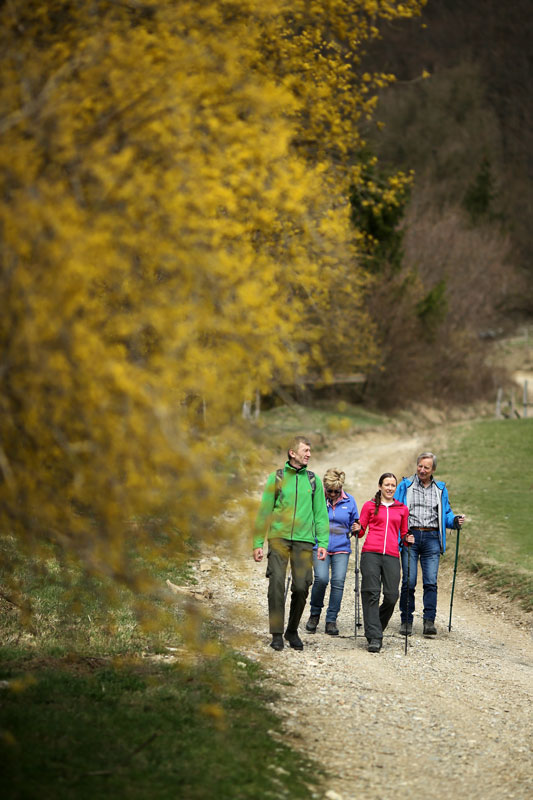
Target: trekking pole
[(288, 584), (454, 574), (356, 588), (408, 573)]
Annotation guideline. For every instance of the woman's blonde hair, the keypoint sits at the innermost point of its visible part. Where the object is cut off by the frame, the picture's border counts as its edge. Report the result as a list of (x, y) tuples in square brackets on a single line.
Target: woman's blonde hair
[(334, 478)]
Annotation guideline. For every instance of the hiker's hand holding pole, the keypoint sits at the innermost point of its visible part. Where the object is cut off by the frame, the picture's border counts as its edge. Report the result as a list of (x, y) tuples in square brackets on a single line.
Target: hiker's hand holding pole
[(409, 539), (321, 553), (458, 521), (258, 553), (356, 527)]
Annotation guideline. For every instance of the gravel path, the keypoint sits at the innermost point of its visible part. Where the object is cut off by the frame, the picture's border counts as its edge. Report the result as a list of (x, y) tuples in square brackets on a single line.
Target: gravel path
[(451, 719)]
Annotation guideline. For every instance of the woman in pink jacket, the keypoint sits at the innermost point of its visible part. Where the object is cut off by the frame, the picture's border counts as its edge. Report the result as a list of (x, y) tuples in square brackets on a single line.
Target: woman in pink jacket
[(386, 520)]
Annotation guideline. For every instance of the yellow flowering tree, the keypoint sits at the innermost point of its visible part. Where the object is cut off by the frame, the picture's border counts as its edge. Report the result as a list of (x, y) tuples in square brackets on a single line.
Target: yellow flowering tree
[(174, 234)]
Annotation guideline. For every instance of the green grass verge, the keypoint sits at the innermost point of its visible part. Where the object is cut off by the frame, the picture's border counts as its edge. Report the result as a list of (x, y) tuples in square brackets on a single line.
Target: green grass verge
[(83, 729), (487, 467), (92, 705)]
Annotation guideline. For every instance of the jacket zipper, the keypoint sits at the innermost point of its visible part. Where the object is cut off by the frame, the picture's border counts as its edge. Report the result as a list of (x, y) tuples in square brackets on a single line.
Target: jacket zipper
[(386, 530), (295, 505)]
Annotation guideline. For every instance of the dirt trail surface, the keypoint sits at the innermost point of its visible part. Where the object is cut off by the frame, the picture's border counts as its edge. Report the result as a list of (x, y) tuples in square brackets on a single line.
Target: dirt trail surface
[(451, 719)]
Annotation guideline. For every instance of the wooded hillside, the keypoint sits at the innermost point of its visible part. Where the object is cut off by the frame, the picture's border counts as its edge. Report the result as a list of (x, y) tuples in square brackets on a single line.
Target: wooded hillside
[(459, 116)]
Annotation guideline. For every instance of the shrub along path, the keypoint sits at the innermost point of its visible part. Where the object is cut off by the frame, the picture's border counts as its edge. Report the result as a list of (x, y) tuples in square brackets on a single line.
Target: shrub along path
[(452, 718)]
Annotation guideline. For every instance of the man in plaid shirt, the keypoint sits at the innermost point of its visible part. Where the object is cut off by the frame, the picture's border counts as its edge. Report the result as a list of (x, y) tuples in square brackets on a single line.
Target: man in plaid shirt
[(430, 514)]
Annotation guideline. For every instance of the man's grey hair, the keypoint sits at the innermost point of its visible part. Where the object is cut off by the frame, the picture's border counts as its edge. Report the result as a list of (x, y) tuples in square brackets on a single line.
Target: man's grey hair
[(427, 455)]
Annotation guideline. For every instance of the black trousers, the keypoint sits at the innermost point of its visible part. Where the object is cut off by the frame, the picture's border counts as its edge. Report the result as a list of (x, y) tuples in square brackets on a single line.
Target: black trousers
[(300, 555), (378, 571)]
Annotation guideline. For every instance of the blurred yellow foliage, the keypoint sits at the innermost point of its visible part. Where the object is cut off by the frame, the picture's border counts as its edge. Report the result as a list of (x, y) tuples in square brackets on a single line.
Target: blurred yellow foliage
[(216, 713), (175, 237), (21, 684)]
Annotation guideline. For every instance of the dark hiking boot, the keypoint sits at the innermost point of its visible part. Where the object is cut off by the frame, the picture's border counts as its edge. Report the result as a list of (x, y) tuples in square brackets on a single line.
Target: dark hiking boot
[(331, 628), (312, 623), (406, 629), (430, 630), (277, 641), (294, 640), (374, 645)]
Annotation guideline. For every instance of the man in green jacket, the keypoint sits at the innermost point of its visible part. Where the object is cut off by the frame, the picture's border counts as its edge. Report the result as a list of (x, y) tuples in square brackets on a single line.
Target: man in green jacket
[(293, 514)]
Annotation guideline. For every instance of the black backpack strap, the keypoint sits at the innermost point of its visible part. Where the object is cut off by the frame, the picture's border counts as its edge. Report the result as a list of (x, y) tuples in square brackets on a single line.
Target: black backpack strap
[(279, 481)]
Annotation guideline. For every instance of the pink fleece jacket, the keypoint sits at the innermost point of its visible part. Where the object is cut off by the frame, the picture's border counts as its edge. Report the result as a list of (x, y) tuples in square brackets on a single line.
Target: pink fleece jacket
[(384, 529)]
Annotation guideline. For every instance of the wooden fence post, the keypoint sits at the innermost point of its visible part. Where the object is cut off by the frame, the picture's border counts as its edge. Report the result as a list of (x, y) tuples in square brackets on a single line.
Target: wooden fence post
[(499, 403)]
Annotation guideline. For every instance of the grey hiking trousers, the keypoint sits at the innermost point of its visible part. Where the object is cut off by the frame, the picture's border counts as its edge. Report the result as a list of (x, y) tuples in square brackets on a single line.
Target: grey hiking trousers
[(300, 555), (378, 571)]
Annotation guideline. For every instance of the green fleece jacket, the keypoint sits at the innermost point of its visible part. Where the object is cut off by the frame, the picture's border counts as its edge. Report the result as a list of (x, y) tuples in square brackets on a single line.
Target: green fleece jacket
[(296, 513)]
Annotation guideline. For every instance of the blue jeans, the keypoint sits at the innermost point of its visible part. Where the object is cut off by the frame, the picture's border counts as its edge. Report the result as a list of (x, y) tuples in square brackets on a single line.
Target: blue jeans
[(426, 547), (338, 562)]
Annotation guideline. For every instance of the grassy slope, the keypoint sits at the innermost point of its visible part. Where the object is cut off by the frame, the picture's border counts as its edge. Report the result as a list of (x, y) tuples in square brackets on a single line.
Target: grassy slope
[(320, 421), (488, 470), (85, 729), (92, 706), (77, 722)]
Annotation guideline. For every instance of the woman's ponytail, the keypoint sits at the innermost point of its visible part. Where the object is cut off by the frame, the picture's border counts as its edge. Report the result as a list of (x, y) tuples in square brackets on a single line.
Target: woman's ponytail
[(377, 501)]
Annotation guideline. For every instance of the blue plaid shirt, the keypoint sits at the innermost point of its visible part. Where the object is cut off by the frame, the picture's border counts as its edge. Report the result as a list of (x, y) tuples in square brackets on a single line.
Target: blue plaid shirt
[(423, 511)]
